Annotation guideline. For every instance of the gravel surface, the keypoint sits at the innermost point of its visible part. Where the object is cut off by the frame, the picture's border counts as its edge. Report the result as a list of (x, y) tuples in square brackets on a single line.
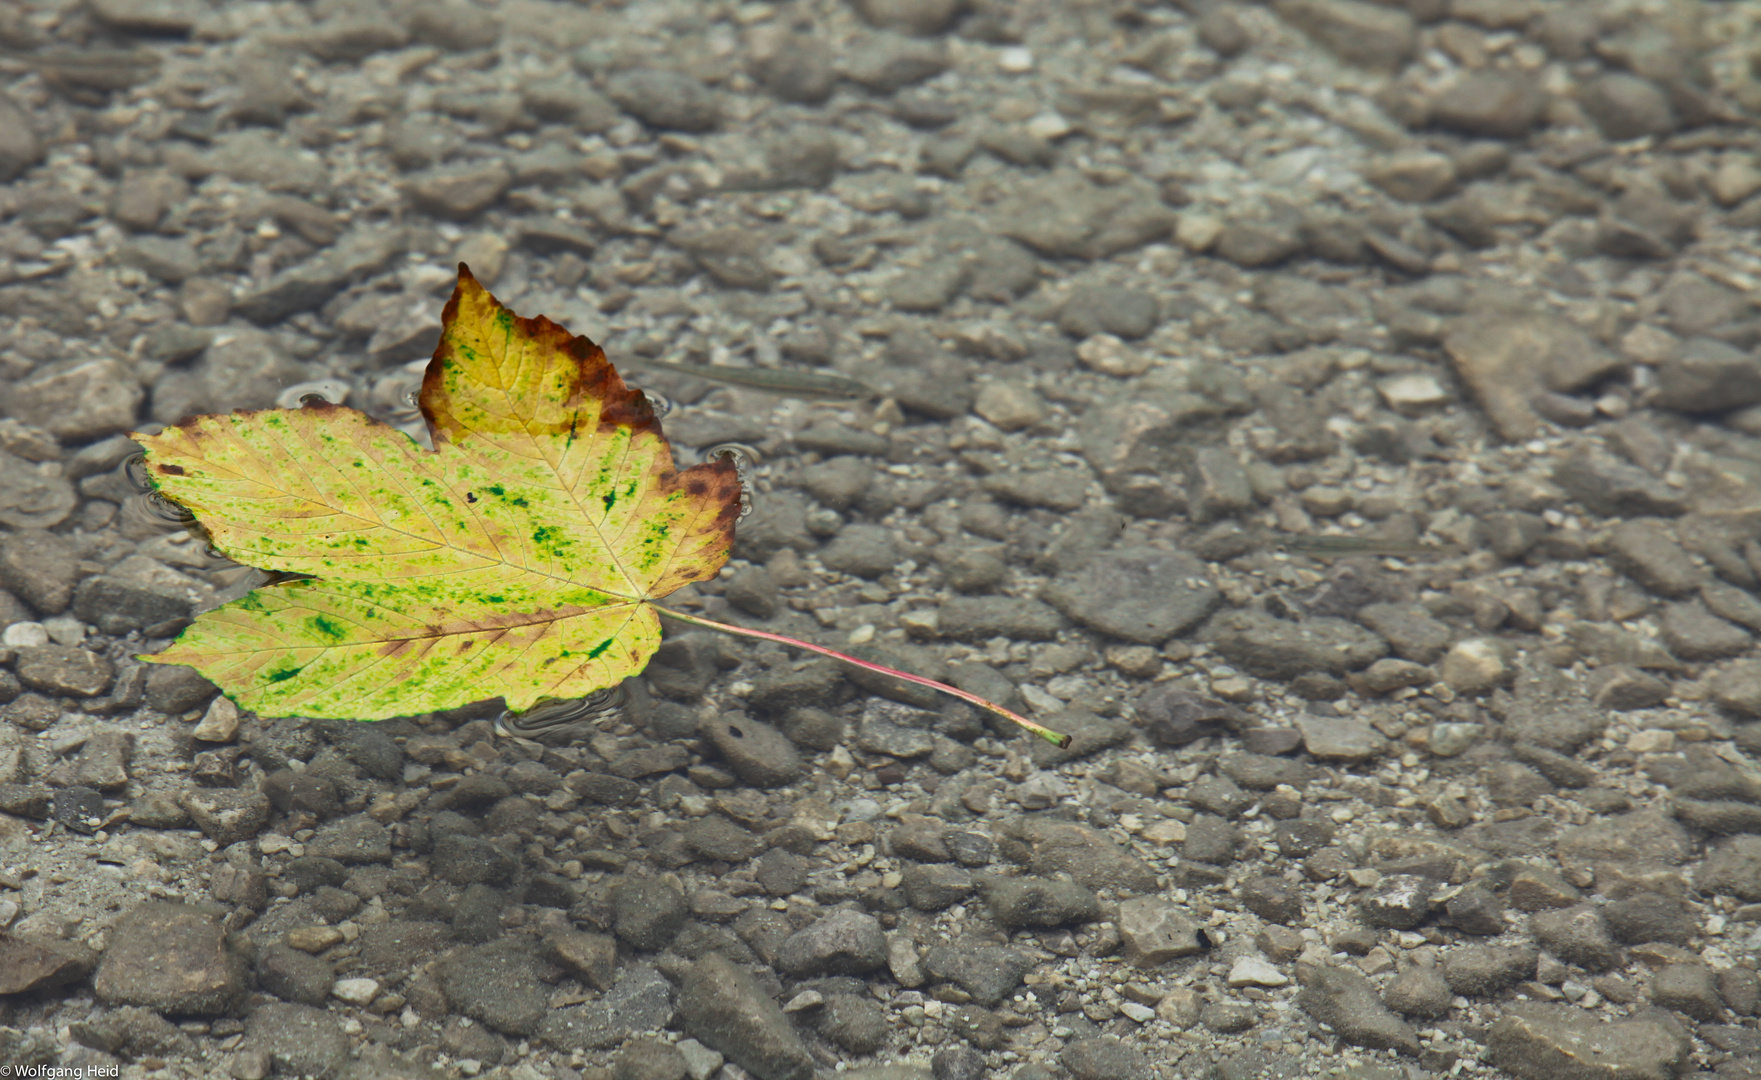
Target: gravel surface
[(1343, 418)]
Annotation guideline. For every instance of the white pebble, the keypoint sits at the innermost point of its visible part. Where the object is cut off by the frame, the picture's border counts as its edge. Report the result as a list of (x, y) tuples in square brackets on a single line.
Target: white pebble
[(1143, 1014), (356, 991), (1015, 60), (25, 635), (1110, 356), (1252, 971)]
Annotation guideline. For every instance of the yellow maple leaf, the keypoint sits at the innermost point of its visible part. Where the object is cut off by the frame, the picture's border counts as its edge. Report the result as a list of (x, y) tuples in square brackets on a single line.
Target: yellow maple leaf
[(517, 559)]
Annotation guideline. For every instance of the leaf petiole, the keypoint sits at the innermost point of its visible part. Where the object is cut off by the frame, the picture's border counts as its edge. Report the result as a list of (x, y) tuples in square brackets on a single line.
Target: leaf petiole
[(1057, 739)]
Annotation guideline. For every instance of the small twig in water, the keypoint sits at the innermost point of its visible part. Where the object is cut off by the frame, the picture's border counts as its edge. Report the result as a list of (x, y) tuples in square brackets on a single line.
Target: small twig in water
[(1055, 738)]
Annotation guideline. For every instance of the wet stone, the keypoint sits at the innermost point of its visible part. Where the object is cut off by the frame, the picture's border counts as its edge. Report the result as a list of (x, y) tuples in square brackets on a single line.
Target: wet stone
[(1576, 935), (1210, 839), (1347, 1001), (1479, 970), (980, 618), (459, 192), (718, 838), (1155, 931), (1368, 35), (1419, 992), (1732, 868), (878, 736), (1398, 901), (1105, 1057), (1508, 361), (1496, 103), (886, 63), (354, 840), (56, 669), (226, 815), (1272, 648), (1340, 738), (173, 958), (723, 1008), (77, 399), (1219, 795), (1560, 1042), (1694, 633), (1029, 901), (294, 975), (668, 100), (934, 887), (590, 957), (1138, 594), (78, 808), (1708, 376), (842, 943), (1049, 848), (1409, 629), (40, 568), (648, 912), (1688, 988), (499, 984), (989, 973), (1272, 899), (1649, 554), (1476, 909), (299, 1039), (1125, 313), (757, 752)]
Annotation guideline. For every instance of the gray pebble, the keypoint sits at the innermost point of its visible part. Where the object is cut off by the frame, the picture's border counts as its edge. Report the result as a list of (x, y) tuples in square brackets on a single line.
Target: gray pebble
[(1105, 1057), (757, 752), (174, 958), (1577, 936), (1275, 649), (1708, 376), (1420, 992), (1529, 1040), (1625, 106), (227, 816), (719, 839), (886, 63), (1139, 594), (359, 839), (1272, 899), (293, 975), (1368, 35), (459, 192), (1646, 552), (863, 550), (934, 888), (858, 1024), (1108, 309), (1029, 901), (1497, 103), (842, 943), (302, 1039), (723, 1008), (668, 100), (910, 16), (1482, 970), (19, 146), (979, 618), (1347, 1002), (1694, 633), (989, 973), (499, 985), (640, 1000)]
